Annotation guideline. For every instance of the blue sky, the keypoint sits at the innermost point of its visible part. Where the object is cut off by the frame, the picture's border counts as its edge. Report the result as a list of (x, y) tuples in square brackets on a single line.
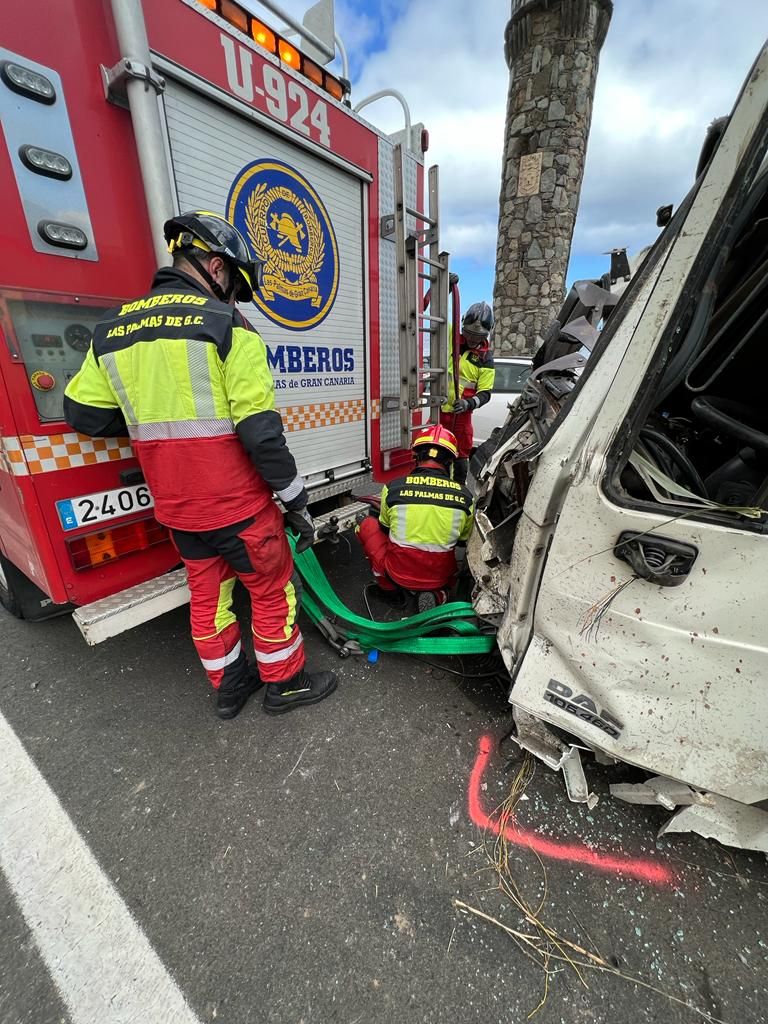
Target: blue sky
[(667, 69)]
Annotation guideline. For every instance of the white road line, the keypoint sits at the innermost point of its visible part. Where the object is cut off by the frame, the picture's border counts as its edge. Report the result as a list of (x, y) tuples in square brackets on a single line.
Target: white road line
[(100, 960)]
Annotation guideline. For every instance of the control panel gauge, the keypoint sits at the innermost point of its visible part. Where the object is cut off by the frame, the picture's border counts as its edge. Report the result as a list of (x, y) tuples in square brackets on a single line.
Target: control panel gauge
[(78, 337)]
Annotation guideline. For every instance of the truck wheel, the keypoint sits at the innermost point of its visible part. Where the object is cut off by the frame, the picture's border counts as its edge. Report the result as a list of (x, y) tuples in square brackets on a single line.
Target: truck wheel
[(8, 597), (23, 598)]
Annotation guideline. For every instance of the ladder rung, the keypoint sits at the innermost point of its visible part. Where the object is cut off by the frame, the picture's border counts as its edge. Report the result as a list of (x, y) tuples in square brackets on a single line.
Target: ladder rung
[(431, 263), (421, 216), (428, 316), (427, 277)]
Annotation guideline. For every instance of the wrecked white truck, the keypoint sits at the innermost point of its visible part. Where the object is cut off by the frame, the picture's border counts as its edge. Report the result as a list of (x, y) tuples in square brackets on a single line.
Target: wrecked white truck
[(621, 546)]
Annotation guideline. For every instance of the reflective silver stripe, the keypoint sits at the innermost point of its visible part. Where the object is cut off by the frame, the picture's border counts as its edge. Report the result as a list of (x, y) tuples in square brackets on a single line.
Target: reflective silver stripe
[(214, 664), (109, 362), (467, 385), (293, 490), (180, 429), (458, 515), (200, 378), (283, 655), (399, 531), (422, 547)]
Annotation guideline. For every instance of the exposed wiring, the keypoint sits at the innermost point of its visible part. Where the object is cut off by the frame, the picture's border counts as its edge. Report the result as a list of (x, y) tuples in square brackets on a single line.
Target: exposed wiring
[(678, 456), (593, 617), (365, 598), (344, 537)]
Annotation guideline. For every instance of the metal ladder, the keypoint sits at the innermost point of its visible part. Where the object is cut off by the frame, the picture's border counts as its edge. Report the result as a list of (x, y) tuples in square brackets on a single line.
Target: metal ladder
[(422, 386)]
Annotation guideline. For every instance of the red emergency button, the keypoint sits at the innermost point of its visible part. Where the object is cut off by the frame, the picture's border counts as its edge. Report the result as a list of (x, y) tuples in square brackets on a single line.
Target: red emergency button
[(43, 381)]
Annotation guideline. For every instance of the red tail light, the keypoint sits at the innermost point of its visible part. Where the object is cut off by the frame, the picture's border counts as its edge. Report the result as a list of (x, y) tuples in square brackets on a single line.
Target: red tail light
[(95, 549)]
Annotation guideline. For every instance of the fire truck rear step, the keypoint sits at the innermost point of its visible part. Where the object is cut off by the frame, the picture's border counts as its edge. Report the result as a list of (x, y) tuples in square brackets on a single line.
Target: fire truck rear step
[(112, 615)]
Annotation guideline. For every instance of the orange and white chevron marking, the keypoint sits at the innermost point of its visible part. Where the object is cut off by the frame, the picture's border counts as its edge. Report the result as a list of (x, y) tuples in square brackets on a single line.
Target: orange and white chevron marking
[(30, 454), (322, 414)]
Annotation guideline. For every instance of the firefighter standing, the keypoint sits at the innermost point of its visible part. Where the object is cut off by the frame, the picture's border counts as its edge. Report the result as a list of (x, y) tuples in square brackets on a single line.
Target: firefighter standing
[(424, 523), (185, 375), (476, 377)]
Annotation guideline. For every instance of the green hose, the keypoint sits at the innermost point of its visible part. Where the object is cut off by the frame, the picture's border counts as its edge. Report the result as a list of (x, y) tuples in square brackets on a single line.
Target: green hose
[(413, 635)]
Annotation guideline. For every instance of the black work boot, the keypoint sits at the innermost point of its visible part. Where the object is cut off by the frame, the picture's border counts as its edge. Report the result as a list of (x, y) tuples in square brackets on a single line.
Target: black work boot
[(303, 688), (231, 701), (393, 598), (429, 599)]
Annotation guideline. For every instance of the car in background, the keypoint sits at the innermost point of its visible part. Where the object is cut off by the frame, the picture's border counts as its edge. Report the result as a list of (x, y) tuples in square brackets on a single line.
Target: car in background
[(511, 375)]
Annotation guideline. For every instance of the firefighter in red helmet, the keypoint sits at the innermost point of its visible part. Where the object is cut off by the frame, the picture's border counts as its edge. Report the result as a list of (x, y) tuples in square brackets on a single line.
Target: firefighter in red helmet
[(186, 376), (475, 383), (423, 525)]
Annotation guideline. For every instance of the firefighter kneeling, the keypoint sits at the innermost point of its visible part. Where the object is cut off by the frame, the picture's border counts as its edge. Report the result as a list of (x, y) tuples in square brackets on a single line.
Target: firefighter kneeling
[(424, 523)]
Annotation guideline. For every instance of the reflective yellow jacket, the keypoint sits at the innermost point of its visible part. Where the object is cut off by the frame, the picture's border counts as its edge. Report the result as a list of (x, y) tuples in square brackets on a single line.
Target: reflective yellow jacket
[(426, 515), (476, 377), (187, 378)]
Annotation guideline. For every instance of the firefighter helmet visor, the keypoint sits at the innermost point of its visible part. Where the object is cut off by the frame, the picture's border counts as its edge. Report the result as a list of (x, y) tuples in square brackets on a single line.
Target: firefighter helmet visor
[(211, 233), (434, 440), (477, 321)]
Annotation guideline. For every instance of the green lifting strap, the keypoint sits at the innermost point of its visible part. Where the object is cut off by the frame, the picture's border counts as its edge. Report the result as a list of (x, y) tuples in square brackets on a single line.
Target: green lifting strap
[(413, 635)]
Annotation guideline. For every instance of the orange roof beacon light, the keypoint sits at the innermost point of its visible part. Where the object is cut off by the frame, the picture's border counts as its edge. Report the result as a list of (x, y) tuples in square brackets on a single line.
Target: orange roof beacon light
[(235, 15), (263, 36), (250, 26), (289, 55), (334, 87), (312, 71)]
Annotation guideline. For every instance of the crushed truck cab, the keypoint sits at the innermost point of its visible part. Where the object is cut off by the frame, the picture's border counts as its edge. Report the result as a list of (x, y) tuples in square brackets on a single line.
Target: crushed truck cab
[(621, 526)]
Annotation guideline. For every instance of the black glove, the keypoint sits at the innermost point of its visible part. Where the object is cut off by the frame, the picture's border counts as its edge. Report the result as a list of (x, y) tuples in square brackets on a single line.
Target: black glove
[(453, 279), (464, 405), (301, 522)]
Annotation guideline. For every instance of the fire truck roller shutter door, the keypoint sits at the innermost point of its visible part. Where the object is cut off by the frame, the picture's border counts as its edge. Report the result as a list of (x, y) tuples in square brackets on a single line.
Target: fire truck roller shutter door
[(304, 217)]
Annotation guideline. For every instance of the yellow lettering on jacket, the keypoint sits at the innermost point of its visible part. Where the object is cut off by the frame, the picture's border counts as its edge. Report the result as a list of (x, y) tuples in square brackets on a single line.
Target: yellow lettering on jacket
[(116, 332), (435, 481), (151, 301), (147, 321)]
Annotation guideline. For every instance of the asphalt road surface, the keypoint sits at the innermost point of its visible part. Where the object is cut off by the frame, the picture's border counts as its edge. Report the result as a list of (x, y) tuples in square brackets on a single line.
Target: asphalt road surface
[(303, 869)]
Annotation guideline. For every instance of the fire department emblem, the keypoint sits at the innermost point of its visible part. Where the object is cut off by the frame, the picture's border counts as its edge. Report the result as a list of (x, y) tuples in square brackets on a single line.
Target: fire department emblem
[(287, 226)]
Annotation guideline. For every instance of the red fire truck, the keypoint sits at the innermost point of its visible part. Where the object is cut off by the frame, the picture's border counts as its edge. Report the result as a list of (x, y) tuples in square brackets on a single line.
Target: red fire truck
[(115, 115)]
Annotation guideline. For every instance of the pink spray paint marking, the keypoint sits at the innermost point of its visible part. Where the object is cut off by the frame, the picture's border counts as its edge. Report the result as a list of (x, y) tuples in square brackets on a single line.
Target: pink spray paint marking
[(644, 869)]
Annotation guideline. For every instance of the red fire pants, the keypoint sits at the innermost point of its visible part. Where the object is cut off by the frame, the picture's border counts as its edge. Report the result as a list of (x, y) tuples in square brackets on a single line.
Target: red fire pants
[(461, 425), (418, 570), (256, 552)]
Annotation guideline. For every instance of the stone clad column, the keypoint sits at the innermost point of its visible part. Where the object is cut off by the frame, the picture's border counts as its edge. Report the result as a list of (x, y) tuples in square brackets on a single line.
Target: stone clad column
[(552, 48)]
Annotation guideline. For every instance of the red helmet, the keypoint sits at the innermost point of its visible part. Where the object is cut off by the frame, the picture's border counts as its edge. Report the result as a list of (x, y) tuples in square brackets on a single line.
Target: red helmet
[(434, 439)]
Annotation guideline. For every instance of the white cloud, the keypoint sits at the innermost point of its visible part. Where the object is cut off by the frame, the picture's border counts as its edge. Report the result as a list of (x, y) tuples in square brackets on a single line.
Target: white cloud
[(666, 71), (447, 60)]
